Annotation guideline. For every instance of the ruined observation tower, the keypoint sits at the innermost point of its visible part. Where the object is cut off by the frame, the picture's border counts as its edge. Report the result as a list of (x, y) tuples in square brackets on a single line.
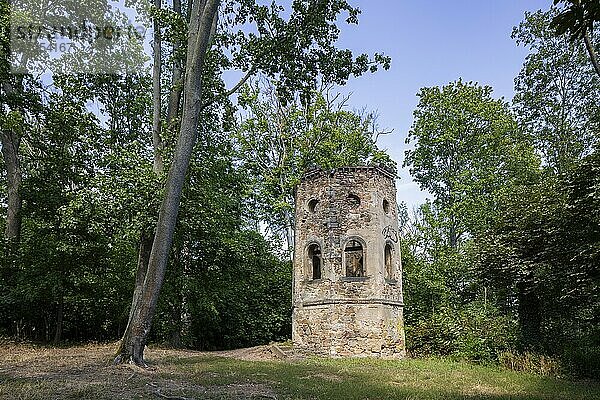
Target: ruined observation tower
[(347, 290)]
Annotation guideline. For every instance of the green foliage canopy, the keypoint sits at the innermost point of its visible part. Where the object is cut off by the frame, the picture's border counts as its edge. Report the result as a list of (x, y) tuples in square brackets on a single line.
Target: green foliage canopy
[(466, 147)]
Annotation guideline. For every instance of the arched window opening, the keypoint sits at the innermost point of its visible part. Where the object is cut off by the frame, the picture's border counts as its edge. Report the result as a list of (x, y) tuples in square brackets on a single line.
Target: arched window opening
[(388, 261), (312, 205), (353, 200), (354, 259), (386, 206), (314, 259)]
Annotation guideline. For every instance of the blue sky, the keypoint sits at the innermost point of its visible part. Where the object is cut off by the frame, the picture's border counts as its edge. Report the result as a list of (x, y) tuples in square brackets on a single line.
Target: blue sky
[(431, 43)]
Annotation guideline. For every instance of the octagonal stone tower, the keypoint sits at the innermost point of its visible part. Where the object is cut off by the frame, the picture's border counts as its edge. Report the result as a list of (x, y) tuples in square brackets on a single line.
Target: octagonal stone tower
[(347, 290)]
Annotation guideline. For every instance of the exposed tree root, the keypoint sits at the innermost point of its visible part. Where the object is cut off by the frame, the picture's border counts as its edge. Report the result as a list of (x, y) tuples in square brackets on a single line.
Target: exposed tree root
[(164, 396)]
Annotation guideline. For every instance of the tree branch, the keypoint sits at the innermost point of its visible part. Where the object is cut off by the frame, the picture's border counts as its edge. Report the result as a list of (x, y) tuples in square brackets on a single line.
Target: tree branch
[(380, 133), (231, 91)]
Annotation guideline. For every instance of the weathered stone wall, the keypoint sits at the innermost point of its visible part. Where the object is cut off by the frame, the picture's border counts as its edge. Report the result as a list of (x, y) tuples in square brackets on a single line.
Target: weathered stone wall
[(348, 212)]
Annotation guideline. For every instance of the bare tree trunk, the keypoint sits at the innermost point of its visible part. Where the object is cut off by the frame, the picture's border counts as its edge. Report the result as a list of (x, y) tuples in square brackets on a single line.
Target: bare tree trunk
[(10, 151), (176, 77), (11, 140), (453, 237), (135, 337), (142, 266), (59, 320), (146, 239), (289, 233), (590, 48), (175, 95), (158, 166)]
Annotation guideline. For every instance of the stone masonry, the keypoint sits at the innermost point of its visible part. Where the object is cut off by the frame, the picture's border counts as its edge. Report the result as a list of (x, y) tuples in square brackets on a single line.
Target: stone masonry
[(347, 290)]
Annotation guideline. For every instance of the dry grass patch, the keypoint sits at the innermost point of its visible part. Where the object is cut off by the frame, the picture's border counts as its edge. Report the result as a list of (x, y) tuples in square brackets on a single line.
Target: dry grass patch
[(86, 372)]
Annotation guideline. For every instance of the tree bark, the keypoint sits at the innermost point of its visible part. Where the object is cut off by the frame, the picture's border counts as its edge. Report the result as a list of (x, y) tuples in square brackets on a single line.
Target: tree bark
[(59, 320), (289, 234), (158, 166), (135, 336), (142, 266), (176, 77), (11, 141), (10, 151), (127, 345), (590, 48), (146, 239)]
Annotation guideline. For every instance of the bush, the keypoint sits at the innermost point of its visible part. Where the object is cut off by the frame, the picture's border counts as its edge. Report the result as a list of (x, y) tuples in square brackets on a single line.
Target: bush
[(238, 296), (582, 360), (475, 332)]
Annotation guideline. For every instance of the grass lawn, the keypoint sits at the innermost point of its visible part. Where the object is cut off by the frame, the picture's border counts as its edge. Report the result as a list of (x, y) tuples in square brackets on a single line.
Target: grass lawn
[(85, 372)]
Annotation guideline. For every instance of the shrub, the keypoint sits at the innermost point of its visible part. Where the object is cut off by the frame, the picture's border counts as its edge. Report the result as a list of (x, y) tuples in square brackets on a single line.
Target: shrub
[(582, 360), (475, 332)]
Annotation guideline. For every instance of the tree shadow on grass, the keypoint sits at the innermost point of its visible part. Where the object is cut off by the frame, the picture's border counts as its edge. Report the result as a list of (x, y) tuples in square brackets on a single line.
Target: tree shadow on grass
[(376, 379), (64, 374)]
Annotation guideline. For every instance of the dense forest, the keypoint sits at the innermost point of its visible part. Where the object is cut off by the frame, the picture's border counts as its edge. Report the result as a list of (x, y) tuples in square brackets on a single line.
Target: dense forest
[(172, 180)]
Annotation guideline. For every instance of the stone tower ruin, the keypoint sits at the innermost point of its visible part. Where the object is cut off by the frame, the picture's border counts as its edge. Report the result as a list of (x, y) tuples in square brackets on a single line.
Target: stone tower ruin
[(347, 290)]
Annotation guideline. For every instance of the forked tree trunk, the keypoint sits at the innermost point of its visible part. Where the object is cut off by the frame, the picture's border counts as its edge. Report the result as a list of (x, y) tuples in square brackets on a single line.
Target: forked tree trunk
[(136, 333), (146, 239), (158, 165)]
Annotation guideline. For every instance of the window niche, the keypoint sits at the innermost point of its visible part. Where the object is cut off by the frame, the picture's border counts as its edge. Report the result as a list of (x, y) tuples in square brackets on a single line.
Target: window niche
[(315, 261), (353, 201), (386, 206), (312, 205), (354, 259), (389, 266)]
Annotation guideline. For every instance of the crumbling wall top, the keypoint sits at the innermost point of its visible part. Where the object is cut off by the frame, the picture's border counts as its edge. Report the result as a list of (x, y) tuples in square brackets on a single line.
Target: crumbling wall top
[(378, 169)]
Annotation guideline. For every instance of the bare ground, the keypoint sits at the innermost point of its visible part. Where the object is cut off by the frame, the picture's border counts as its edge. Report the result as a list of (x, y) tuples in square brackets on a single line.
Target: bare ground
[(37, 372)]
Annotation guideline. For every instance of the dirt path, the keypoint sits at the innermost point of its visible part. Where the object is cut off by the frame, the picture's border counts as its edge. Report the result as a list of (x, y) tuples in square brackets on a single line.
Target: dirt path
[(86, 372)]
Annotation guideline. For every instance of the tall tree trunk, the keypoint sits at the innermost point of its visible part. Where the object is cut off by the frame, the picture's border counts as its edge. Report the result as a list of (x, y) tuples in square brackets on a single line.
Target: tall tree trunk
[(141, 268), (59, 320), (135, 337), (529, 313), (11, 140), (592, 52), (10, 151), (157, 142), (176, 77), (289, 233), (453, 236), (146, 238)]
